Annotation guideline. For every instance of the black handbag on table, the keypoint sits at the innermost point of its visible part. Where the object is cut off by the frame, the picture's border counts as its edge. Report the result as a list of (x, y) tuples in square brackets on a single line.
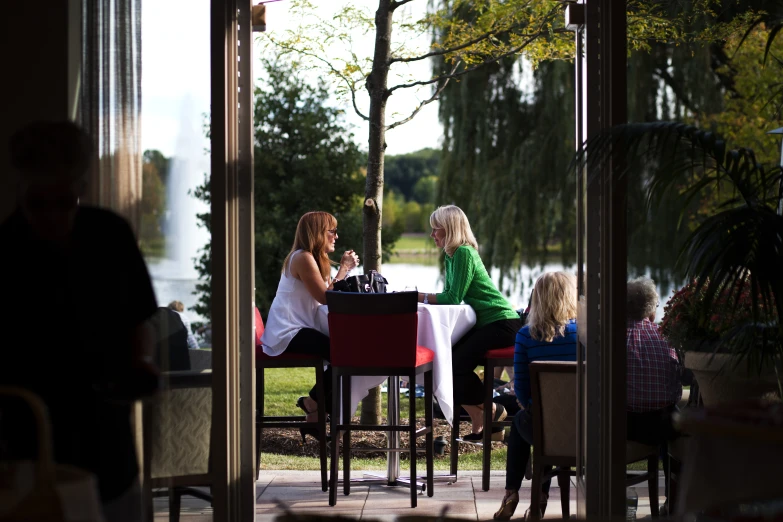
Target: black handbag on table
[(369, 283)]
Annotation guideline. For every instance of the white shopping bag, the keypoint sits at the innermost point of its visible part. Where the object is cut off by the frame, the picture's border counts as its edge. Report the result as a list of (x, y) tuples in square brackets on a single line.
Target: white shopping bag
[(43, 491)]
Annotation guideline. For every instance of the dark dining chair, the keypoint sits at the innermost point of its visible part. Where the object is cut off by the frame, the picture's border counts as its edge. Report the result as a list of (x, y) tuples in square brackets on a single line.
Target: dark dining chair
[(375, 334), (496, 358), (554, 394), (263, 362)]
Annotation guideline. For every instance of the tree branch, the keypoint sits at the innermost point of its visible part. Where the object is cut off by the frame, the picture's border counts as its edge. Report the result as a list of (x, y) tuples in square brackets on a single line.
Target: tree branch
[(425, 102), (460, 47), (676, 89), (348, 81), (464, 71), (495, 59), (398, 3)]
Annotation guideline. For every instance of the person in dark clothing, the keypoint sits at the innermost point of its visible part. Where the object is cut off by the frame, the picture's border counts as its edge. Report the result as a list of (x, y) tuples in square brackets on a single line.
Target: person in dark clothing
[(87, 361), (171, 340)]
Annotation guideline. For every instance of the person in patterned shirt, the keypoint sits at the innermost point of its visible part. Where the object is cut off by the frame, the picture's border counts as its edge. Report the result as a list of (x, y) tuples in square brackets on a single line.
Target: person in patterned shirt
[(653, 371)]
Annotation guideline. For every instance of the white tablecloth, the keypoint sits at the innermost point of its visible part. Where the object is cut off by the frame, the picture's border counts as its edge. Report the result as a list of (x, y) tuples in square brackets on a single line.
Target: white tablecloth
[(440, 326)]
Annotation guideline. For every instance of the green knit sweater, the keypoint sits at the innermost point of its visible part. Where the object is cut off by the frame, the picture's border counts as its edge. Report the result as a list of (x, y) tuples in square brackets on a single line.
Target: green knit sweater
[(467, 280)]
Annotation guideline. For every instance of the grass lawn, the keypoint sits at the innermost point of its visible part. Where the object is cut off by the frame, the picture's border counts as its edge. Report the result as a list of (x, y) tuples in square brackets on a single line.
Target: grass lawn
[(469, 461), (409, 243), (285, 385)]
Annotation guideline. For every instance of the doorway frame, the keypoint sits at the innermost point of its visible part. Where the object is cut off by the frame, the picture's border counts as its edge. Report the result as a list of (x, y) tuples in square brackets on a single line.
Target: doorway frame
[(233, 284), (601, 103)]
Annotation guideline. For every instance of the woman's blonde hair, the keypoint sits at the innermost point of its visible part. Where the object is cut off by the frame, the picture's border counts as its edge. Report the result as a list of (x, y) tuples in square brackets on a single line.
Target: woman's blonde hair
[(553, 304), (311, 237), (454, 221), (177, 306)]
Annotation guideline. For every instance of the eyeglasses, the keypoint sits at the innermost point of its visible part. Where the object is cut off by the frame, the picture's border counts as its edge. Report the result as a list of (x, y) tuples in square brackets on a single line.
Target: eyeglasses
[(333, 231)]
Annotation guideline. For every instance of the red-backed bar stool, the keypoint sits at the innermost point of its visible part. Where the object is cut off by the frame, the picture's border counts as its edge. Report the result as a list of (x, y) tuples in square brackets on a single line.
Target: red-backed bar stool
[(499, 357), (285, 360), (375, 334)]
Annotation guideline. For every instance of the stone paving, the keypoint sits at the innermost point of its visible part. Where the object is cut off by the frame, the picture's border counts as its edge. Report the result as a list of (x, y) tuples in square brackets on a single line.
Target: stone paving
[(300, 492)]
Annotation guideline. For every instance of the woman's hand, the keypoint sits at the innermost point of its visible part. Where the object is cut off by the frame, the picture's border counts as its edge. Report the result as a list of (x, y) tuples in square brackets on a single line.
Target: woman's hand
[(349, 261)]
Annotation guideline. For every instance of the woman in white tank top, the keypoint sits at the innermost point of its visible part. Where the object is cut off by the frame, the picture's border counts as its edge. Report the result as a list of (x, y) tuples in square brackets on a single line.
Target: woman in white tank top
[(305, 279)]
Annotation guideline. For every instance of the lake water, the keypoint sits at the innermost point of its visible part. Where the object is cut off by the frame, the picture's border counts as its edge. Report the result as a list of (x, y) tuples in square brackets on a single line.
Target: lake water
[(169, 285)]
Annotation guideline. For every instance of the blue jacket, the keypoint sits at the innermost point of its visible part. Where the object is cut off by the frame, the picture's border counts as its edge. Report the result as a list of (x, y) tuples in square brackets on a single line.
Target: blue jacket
[(527, 350)]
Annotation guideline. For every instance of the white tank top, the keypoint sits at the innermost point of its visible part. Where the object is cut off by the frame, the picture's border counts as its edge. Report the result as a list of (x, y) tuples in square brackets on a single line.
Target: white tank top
[(292, 309)]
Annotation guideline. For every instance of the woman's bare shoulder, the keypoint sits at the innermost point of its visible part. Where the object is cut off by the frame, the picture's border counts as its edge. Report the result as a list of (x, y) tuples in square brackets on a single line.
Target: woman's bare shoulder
[(302, 260)]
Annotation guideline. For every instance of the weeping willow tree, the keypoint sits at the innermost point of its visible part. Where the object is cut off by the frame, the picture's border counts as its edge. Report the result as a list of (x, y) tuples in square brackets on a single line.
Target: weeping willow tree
[(494, 165), (508, 139)]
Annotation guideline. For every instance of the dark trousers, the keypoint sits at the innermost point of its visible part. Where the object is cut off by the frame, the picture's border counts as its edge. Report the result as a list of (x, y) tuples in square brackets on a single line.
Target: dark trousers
[(519, 442), (469, 352), (313, 342), (653, 428)]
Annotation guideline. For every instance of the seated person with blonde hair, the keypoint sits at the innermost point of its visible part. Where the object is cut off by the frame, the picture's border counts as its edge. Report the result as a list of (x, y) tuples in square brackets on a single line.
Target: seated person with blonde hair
[(550, 335), (178, 307)]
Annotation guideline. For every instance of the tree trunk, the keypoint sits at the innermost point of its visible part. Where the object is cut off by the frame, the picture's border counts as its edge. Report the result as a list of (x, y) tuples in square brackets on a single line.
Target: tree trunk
[(373, 191)]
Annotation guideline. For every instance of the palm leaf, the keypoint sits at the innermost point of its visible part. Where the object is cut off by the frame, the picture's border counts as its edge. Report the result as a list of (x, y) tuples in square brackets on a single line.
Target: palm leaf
[(737, 249)]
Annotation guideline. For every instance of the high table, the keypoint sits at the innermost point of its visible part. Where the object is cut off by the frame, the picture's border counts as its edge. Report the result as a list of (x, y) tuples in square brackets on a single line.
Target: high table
[(440, 326)]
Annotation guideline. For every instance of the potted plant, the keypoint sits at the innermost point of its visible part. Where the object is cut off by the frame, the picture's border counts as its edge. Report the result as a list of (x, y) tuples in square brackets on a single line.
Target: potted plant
[(729, 319), (710, 341)]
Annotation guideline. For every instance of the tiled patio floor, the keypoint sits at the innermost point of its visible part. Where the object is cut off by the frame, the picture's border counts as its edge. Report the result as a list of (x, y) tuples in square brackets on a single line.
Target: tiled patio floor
[(300, 492)]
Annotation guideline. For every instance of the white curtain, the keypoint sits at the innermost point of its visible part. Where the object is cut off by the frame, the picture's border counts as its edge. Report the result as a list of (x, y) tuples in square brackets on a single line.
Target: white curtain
[(110, 103)]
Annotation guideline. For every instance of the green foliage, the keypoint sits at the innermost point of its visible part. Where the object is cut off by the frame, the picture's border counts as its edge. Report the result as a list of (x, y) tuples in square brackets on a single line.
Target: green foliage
[(404, 174), (159, 162), (203, 192), (153, 203), (505, 142), (305, 159), (410, 180), (505, 161), (405, 216), (425, 190), (748, 112), (723, 87), (734, 250)]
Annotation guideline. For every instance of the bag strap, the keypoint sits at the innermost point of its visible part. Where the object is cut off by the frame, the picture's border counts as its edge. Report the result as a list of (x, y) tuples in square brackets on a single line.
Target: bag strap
[(44, 466)]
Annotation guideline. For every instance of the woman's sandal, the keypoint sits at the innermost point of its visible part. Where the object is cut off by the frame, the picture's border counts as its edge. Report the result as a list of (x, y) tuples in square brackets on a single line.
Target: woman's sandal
[(508, 507), (497, 433), (313, 432), (301, 404), (497, 436), (500, 413), (541, 511)]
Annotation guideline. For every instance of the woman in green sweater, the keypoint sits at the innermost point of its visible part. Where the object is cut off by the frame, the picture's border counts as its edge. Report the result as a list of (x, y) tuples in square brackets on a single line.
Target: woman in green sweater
[(497, 323)]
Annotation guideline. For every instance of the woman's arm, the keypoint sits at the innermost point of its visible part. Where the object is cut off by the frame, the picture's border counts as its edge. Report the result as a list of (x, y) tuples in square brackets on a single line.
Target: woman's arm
[(348, 262), (303, 267), (431, 298), (460, 278)]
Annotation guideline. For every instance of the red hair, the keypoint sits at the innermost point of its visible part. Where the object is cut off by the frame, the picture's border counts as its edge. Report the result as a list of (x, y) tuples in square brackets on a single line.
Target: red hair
[(311, 237)]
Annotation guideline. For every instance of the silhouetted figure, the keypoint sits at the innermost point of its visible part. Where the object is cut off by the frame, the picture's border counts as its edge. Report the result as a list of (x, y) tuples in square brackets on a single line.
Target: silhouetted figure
[(178, 307), (88, 352), (171, 340)]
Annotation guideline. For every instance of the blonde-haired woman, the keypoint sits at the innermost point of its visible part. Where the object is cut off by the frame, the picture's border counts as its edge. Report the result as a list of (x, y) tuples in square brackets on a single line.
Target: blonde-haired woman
[(305, 278), (466, 279), (550, 335)]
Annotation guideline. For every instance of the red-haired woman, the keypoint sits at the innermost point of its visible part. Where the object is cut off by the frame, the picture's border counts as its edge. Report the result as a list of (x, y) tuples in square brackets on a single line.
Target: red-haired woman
[(291, 325)]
